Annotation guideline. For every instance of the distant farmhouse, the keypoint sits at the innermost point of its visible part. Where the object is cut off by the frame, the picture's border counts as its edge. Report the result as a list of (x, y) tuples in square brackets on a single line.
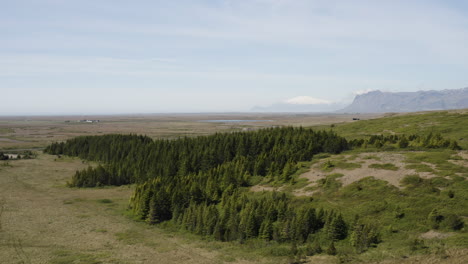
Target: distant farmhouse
[(88, 121)]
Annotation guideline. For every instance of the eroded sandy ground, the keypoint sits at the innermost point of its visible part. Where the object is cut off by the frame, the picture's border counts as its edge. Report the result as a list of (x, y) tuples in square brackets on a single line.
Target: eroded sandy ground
[(393, 177)]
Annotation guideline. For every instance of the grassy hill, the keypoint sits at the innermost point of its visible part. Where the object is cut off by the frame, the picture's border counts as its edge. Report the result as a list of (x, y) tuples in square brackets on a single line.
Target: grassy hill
[(398, 191), (451, 124)]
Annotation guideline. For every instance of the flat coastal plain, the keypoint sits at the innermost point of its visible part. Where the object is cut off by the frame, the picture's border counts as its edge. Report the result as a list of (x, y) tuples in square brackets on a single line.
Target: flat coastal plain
[(23, 132)]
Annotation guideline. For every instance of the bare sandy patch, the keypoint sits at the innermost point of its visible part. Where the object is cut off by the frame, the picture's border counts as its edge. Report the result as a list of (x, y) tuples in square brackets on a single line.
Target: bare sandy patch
[(464, 161), (435, 234), (261, 188), (463, 154), (365, 159), (303, 192)]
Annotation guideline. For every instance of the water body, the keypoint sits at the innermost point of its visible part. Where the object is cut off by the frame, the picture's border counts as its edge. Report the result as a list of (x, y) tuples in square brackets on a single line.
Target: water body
[(233, 121)]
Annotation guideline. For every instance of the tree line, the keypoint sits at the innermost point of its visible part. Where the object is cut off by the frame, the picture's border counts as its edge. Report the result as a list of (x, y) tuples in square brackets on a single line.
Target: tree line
[(431, 141), (197, 183), (135, 159)]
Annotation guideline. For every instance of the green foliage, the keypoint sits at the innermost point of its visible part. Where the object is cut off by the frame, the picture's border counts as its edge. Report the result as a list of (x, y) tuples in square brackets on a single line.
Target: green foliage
[(197, 182), (27, 154), (386, 166), (399, 214), (329, 183), (412, 180), (315, 249), (331, 250), (3, 156), (413, 141), (312, 249), (272, 152), (453, 222), (335, 227), (105, 201), (328, 165), (416, 244), (451, 194), (403, 142), (347, 165), (363, 236), (441, 161), (450, 124)]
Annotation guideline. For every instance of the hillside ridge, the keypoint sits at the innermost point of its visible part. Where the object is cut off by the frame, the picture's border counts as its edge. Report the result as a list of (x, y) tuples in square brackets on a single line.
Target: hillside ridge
[(382, 102)]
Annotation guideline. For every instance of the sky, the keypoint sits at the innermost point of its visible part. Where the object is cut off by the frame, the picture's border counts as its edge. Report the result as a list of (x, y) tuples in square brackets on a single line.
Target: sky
[(115, 56)]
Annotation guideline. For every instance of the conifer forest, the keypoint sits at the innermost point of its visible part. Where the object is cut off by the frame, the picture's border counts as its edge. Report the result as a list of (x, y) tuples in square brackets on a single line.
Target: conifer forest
[(201, 184)]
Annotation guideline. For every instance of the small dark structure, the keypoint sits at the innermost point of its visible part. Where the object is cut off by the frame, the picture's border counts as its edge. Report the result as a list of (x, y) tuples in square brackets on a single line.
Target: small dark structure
[(355, 118)]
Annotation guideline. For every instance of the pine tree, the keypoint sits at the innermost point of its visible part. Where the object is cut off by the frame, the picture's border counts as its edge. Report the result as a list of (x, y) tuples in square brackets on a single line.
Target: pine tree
[(403, 142), (266, 230), (337, 229)]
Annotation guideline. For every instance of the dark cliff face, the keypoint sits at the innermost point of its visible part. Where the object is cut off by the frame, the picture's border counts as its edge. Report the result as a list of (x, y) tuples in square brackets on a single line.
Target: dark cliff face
[(381, 102)]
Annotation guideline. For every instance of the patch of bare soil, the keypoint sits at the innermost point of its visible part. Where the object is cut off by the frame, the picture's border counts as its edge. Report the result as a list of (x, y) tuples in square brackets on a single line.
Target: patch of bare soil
[(434, 234), (464, 161), (391, 176), (303, 192), (463, 154), (261, 188)]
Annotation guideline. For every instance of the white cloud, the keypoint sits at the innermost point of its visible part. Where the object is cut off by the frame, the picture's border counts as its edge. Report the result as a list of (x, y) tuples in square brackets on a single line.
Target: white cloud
[(307, 100), (359, 92)]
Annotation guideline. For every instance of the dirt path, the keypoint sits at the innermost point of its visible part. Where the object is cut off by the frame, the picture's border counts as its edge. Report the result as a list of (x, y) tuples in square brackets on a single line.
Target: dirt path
[(41, 221)]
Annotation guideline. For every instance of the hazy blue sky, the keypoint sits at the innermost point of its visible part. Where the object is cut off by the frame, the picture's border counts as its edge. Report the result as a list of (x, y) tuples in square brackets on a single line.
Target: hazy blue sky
[(111, 56)]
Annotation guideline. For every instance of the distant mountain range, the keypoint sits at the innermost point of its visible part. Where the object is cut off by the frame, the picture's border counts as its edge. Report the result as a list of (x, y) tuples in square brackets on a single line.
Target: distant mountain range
[(382, 102), (377, 102)]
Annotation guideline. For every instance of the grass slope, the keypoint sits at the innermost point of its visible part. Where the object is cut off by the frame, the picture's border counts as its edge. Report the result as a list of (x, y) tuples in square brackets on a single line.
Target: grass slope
[(451, 124), (402, 214)]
